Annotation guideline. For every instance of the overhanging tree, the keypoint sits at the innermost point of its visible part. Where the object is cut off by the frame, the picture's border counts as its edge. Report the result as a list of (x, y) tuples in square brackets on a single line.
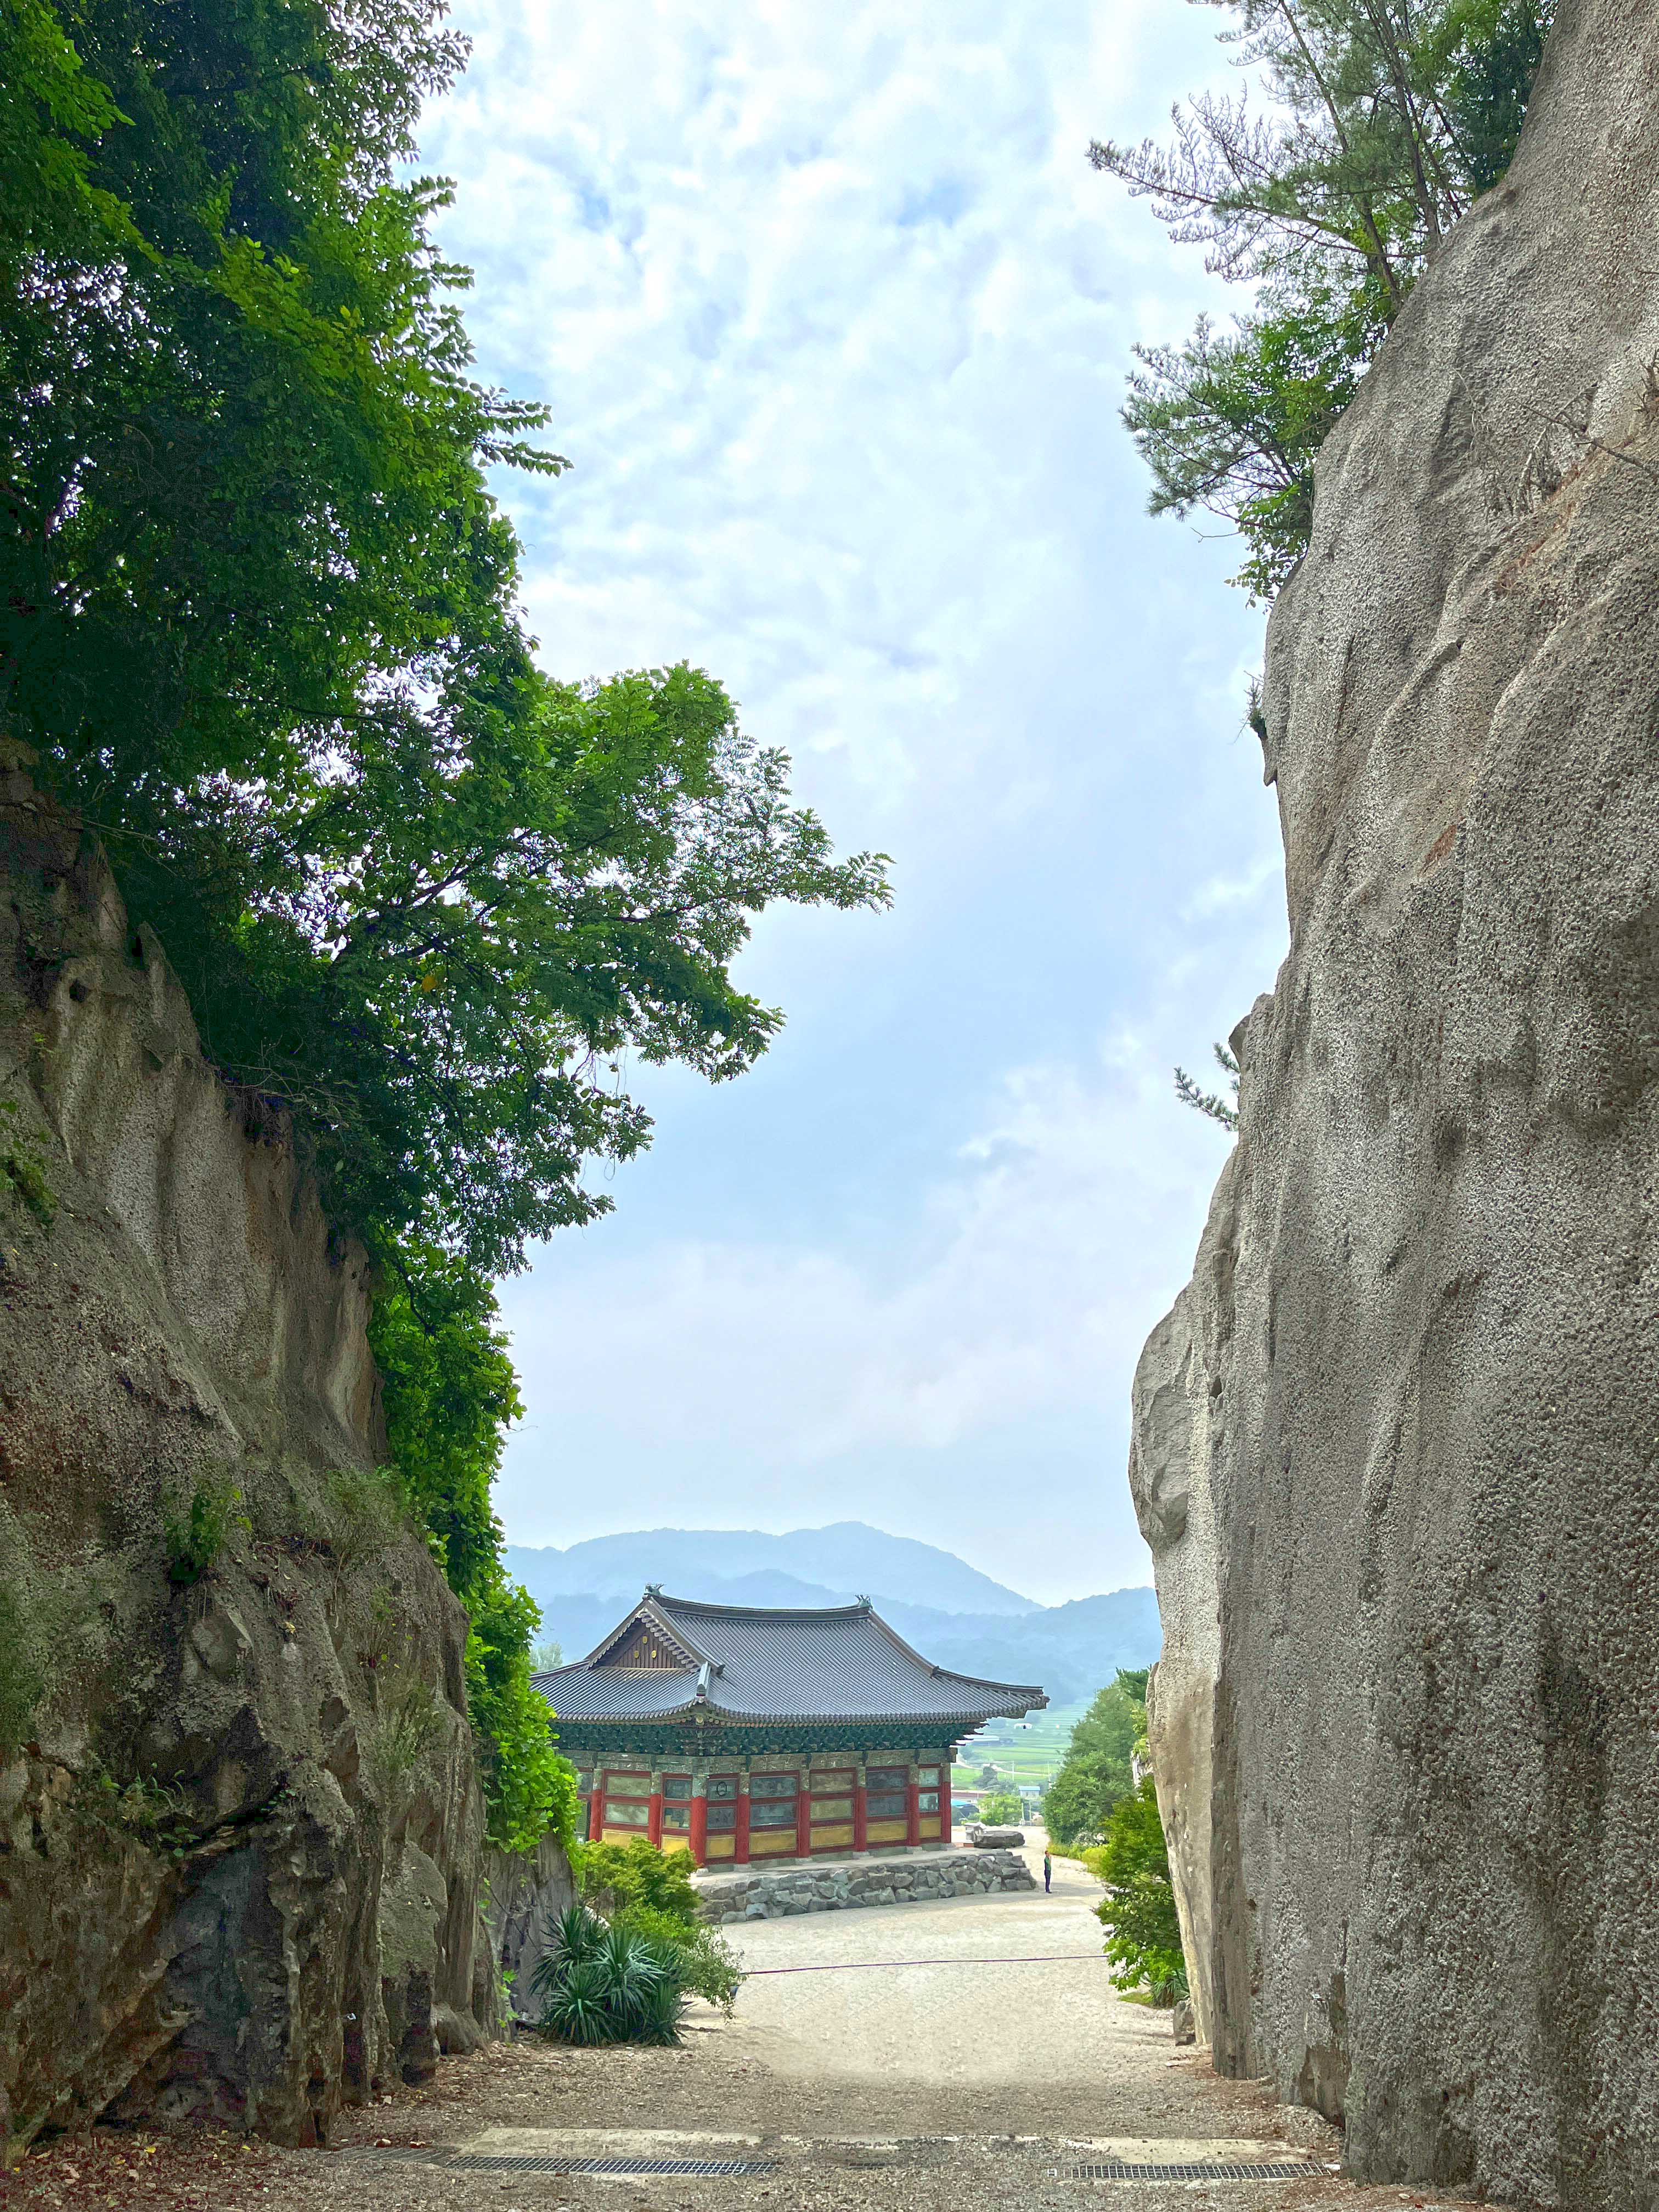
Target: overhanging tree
[(1376, 124), (259, 621)]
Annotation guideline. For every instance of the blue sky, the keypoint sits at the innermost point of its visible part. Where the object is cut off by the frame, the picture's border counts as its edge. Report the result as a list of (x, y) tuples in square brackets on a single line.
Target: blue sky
[(833, 317)]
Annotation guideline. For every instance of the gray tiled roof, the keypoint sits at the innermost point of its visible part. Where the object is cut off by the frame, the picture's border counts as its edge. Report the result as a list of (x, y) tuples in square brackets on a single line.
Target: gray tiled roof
[(754, 1663)]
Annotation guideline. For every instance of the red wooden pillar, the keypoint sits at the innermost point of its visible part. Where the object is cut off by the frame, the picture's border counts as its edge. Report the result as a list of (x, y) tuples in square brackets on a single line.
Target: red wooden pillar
[(913, 1809), (655, 1829), (860, 1812), (699, 1826), (596, 1811), (740, 1833)]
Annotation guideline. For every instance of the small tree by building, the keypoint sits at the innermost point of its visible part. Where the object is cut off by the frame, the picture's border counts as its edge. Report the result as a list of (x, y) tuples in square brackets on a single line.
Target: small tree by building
[(1138, 1912), (999, 1808)]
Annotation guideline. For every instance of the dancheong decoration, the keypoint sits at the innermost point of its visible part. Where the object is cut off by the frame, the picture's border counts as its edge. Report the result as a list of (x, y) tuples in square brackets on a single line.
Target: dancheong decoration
[(742, 1732)]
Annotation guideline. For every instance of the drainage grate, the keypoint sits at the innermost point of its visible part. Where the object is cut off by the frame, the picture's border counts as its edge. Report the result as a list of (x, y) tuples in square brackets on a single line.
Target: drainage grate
[(1240, 2169), (456, 2161), (528, 2162)]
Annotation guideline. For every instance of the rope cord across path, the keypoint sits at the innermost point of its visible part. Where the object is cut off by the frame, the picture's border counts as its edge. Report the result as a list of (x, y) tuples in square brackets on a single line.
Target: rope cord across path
[(868, 1966)]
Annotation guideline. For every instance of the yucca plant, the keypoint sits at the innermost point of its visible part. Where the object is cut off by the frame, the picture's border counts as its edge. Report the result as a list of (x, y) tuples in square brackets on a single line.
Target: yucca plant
[(661, 2012), (577, 1934), (578, 2004), (604, 1984), (634, 1971)]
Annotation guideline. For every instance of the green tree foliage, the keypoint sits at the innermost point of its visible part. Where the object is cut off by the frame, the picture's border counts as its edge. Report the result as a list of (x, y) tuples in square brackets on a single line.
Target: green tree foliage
[(259, 621), (999, 1808), (1096, 1771), (1378, 122), (1138, 1912), (258, 618), (1232, 422)]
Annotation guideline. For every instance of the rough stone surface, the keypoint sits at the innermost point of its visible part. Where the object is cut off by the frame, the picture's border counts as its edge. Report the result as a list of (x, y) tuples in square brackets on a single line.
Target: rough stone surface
[(240, 1827), (1396, 1450), (523, 1900), (763, 1894)]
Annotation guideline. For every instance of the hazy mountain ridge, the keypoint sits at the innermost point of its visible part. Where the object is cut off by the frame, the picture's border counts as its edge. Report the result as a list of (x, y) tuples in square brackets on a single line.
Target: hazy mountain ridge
[(848, 1555), (1067, 1649)]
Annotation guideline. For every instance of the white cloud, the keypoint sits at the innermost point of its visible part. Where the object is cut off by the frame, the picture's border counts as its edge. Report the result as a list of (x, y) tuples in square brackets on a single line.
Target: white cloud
[(833, 315), (1044, 1248)]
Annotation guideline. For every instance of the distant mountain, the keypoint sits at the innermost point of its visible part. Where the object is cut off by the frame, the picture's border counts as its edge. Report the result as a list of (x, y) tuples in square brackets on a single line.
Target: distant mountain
[(846, 1556), (1069, 1650)]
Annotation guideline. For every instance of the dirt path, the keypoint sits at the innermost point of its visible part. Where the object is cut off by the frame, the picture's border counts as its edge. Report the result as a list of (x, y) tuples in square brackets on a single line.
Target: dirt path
[(929, 2058)]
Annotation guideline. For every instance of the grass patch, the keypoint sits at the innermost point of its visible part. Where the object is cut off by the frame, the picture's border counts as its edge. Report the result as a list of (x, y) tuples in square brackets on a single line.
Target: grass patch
[(23, 1680), (23, 1170), (366, 1515)]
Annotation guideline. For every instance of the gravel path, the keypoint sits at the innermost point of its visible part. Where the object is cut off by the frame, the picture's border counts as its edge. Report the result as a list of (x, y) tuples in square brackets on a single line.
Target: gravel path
[(983, 2075)]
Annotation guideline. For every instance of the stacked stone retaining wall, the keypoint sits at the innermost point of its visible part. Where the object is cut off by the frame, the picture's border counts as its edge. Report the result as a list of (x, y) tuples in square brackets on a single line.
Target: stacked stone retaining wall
[(840, 1887)]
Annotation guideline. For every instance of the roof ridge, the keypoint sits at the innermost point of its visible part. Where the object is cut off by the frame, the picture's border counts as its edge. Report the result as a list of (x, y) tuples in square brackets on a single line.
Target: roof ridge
[(706, 1609)]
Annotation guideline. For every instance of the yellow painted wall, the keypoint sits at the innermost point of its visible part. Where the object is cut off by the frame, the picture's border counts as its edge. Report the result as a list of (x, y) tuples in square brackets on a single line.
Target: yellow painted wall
[(888, 1831), (928, 1825), (768, 1842), (837, 1838), (721, 1847), (825, 1809)]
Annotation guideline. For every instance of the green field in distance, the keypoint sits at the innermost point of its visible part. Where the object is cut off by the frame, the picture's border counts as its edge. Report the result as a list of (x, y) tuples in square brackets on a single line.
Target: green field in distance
[(1024, 1757)]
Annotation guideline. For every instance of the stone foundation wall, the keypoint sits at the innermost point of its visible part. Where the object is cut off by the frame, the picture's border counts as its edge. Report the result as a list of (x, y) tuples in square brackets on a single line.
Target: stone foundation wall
[(840, 1889)]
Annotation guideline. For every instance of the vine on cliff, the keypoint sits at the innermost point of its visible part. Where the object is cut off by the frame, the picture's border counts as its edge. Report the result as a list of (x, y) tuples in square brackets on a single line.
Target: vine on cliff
[(450, 1393)]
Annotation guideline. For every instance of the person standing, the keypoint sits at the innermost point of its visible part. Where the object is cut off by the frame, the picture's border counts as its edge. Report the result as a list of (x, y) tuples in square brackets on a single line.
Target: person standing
[(1047, 1869)]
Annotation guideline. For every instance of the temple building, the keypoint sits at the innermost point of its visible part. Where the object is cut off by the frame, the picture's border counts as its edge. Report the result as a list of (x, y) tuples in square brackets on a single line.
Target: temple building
[(741, 1733)]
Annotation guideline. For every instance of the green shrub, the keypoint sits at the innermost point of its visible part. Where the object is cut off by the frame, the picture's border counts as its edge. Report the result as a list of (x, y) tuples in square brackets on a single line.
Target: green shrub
[(702, 1960), (604, 1984), (1138, 1909), (195, 1538), (613, 1876), (158, 1815), (50, 1624)]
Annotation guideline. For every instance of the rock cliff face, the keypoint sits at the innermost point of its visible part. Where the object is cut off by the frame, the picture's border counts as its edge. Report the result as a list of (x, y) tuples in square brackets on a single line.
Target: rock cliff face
[(240, 1827), (1397, 1448)]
